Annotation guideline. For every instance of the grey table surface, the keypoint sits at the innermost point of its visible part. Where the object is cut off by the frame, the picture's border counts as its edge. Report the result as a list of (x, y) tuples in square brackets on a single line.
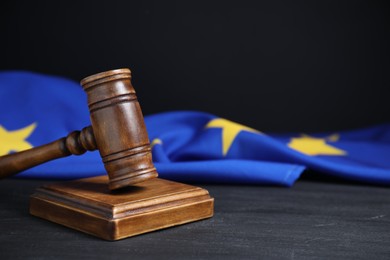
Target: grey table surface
[(311, 220)]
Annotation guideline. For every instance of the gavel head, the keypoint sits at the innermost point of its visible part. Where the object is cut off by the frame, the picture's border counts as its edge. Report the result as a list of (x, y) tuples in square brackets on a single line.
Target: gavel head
[(119, 128)]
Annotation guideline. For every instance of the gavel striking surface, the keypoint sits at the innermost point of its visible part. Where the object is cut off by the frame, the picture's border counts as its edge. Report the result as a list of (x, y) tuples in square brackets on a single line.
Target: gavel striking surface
[(87, 205), (138, 202)]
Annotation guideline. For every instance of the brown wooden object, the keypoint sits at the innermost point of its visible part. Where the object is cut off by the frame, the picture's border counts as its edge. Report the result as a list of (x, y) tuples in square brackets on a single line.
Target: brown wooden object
[(118, 131), (119, 128), (88, 206)]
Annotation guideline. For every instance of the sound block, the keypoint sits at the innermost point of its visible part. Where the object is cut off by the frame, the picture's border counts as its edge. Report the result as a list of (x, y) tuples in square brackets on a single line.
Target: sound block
[(88, 206)]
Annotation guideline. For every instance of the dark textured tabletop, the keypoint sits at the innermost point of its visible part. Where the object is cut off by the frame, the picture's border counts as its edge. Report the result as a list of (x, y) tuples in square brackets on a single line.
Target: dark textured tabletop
[(313, 219)]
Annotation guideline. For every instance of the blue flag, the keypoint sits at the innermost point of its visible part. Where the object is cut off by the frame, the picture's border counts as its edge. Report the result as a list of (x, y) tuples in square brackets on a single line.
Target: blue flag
[(187, 146)]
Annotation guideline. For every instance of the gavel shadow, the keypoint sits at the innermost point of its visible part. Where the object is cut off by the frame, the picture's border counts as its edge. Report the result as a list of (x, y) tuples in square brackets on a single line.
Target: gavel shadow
[(126, 190), (90, 186)]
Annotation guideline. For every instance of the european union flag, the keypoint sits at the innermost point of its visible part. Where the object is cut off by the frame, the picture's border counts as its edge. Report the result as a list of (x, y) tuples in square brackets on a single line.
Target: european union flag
[(187, 146)]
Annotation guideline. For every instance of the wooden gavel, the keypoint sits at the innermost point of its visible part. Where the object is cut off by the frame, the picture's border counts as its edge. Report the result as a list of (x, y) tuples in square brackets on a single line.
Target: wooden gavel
[(118, 131)]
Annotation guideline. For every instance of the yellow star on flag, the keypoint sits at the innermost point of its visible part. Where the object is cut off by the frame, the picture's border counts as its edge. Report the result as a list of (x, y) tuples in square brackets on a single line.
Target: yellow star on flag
[(155, 142), (15, 140), (316, 146), (230, 130)]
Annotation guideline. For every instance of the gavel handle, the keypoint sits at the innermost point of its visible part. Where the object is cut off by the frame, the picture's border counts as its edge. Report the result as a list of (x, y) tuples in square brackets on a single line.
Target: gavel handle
[(75, 143)]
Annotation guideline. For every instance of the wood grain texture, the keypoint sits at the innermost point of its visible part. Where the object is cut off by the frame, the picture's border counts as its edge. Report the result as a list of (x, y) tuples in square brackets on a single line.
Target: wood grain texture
[(75, 143), (119, 128), (89, 206), (312, 220), (118, 131)]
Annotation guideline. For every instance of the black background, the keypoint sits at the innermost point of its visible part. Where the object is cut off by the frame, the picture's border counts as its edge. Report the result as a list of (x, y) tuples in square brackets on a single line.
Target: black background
[(276, 66)]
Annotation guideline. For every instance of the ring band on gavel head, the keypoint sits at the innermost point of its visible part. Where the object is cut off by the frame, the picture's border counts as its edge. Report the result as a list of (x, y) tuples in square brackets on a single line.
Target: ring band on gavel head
[(119, 128)]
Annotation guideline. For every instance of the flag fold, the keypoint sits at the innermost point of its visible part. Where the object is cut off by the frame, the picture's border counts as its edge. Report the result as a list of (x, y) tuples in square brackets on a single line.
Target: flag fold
[(187, 146)]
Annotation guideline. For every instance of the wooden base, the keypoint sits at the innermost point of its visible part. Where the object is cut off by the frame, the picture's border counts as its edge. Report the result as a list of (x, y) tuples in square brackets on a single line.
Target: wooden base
[(88, 206)]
